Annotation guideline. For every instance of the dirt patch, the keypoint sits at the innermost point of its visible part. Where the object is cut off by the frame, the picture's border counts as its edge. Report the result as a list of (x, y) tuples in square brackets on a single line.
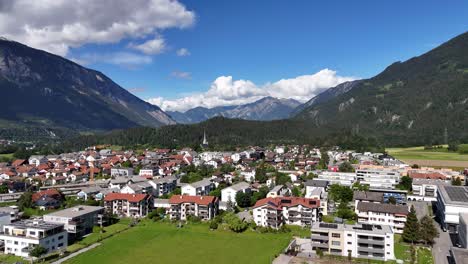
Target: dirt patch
[(438, 163)]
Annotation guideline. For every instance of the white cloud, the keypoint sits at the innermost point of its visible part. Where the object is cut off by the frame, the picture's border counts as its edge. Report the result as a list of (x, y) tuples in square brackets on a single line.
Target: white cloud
[(57, 25), (181, 75), (125, 59), (183, 52), (226, 91), (150, 47)]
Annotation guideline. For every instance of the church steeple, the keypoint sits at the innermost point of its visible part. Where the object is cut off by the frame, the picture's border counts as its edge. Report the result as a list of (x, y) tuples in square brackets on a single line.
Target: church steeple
[(205, 141)]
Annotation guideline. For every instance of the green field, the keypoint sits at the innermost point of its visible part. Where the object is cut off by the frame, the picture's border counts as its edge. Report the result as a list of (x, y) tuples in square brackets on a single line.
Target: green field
[(165, 243), (419, 153)]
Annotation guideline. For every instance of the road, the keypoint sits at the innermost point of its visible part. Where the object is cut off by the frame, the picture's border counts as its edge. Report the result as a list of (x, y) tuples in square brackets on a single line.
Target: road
[(76, 253), (441, 248)]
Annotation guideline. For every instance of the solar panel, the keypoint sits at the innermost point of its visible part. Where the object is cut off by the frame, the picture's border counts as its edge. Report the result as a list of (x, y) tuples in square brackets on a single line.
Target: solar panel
[(328, 225), (457, 194)]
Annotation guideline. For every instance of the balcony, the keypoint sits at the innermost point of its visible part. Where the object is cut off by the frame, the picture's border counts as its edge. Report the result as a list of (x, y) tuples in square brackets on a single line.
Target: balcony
[(315, 237), (371, 250), (371, 241)]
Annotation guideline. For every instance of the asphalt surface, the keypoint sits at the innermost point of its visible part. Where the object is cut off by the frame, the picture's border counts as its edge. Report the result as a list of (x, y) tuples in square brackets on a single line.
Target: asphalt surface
[(441, 248), (421, 208)]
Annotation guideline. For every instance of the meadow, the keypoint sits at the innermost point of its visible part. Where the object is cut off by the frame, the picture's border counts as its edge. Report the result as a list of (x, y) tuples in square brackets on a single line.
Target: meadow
[(439, 157), (159, 242)]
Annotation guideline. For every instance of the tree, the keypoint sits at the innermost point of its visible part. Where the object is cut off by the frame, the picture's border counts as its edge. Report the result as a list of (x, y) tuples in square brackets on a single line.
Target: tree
[(234, 223), (37, 251), (339, 193), (456, 181), (213, 225), (415, 166), (411, 231), (360, 187), (216, 192), (392, 200), (262, 193), (243, 199), (428, 230), (282, 178), (346, 167), (296, 192), (25, 201), (344, 212), (126, 164), (260, 174), (323, 163), (405, 183), (3, 188)]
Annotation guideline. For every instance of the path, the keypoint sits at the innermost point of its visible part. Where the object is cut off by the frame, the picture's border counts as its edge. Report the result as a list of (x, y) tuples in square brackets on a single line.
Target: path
[(72, 255), (441, 248)]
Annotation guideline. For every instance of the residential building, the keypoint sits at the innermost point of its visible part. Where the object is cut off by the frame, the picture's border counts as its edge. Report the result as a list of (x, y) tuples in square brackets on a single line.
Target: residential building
[(426, 189), (21, 236), (128, 205), (13, 211), (458, 255), (138, 187), (341, 178), (148, 172), (279, 191), (451, 201), (463, 230), (229, 193), (78, 220), (182, 206), (359, 240), (203, 187), (274, 212), (367, 197), (121, 172), (382, 214), (163, 186), (375, 178)]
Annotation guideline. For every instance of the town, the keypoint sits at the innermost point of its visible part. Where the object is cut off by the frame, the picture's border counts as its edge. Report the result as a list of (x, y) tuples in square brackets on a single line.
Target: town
[(344, 204)]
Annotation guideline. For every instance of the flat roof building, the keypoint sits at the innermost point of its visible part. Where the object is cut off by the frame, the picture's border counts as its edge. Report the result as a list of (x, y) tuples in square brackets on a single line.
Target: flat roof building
[(451, 201)]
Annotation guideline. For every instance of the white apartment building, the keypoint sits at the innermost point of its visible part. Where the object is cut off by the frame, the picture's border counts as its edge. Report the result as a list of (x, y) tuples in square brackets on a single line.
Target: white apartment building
[(204, 207), (274, 212), (451, 202), (78, 220), (382, 214), (21, 236), (381, 179), (203, 187), (128, 205), (121, 172), (360, 240), (229, 193), (163, 186), (426, 189), (341, 178)]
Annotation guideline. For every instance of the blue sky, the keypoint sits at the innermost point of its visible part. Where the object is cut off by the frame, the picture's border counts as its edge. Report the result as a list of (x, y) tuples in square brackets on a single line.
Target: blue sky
[(259, 43)]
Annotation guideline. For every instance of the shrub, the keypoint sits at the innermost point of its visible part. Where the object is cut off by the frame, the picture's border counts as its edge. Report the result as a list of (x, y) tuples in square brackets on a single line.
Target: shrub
[(213, 225)]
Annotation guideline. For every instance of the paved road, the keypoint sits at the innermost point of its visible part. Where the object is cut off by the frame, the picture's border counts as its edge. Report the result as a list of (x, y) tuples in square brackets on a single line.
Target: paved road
[(76, 253), (421, 208), (245, 215), (441, 248)]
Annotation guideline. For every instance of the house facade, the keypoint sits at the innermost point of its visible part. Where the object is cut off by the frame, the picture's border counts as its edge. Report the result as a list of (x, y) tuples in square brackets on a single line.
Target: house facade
[(128, 205), (182, 206)]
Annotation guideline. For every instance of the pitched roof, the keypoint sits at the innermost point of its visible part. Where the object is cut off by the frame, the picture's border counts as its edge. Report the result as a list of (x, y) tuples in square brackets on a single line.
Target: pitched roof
[(239, 186), (382, 208), (49, 193), (200, 200), (368, 196), (134, 198), (426, 175), (280, 202)]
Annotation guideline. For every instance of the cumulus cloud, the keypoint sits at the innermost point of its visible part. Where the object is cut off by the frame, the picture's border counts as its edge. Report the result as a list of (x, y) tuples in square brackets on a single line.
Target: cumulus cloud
[(226, 91), (150, 47), (181, 75), (58, 25), (183, 52)]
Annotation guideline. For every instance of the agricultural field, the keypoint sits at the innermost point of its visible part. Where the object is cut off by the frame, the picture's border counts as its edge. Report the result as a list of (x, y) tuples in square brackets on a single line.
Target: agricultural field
[(439, 157), (151, 242)]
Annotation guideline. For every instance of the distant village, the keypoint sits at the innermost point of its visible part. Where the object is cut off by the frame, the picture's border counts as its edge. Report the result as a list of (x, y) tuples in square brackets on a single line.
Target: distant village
[(353, 203)]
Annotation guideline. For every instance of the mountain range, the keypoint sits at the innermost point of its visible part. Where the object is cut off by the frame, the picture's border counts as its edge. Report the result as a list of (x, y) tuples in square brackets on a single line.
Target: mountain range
[(267, 108), (48, 91)]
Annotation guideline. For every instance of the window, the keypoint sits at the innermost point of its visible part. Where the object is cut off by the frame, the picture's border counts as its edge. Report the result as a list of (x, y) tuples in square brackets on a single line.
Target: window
[(335, 243), (60, 245), (33, 233), (16, 243), (350, 243), (336, 235), (350, 235), (60, 237)]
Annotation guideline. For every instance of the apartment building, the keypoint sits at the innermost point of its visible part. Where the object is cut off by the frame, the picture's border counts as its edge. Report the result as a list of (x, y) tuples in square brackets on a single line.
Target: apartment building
[(451, 202), (128, 205), (229, 193), (78, 220), (274, 212), (204, 207), (21, 236), (463, 230), (359, 240), (382, 214), (203, 187), (426, 189), (163, 186), (341, 178), (374, 178)]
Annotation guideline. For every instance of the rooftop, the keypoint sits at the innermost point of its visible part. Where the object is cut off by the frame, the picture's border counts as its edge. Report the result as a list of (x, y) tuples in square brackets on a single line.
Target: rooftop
[(200, 200), (361, 228), (239, 186), (76, 211), (35, 223), (368, 196), (457, 195), (280, 202), (382, 208)]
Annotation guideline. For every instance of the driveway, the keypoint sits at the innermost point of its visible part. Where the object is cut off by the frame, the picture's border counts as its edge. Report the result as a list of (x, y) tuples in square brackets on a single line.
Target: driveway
[(245, 215), (441, 248), (420, 207)]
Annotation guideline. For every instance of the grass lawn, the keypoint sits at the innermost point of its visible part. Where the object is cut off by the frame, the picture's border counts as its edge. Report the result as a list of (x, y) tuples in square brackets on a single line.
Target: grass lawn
[(194, 243), (10, 259), (419, 153), (402, 250), (5, 157), (425, 256)]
